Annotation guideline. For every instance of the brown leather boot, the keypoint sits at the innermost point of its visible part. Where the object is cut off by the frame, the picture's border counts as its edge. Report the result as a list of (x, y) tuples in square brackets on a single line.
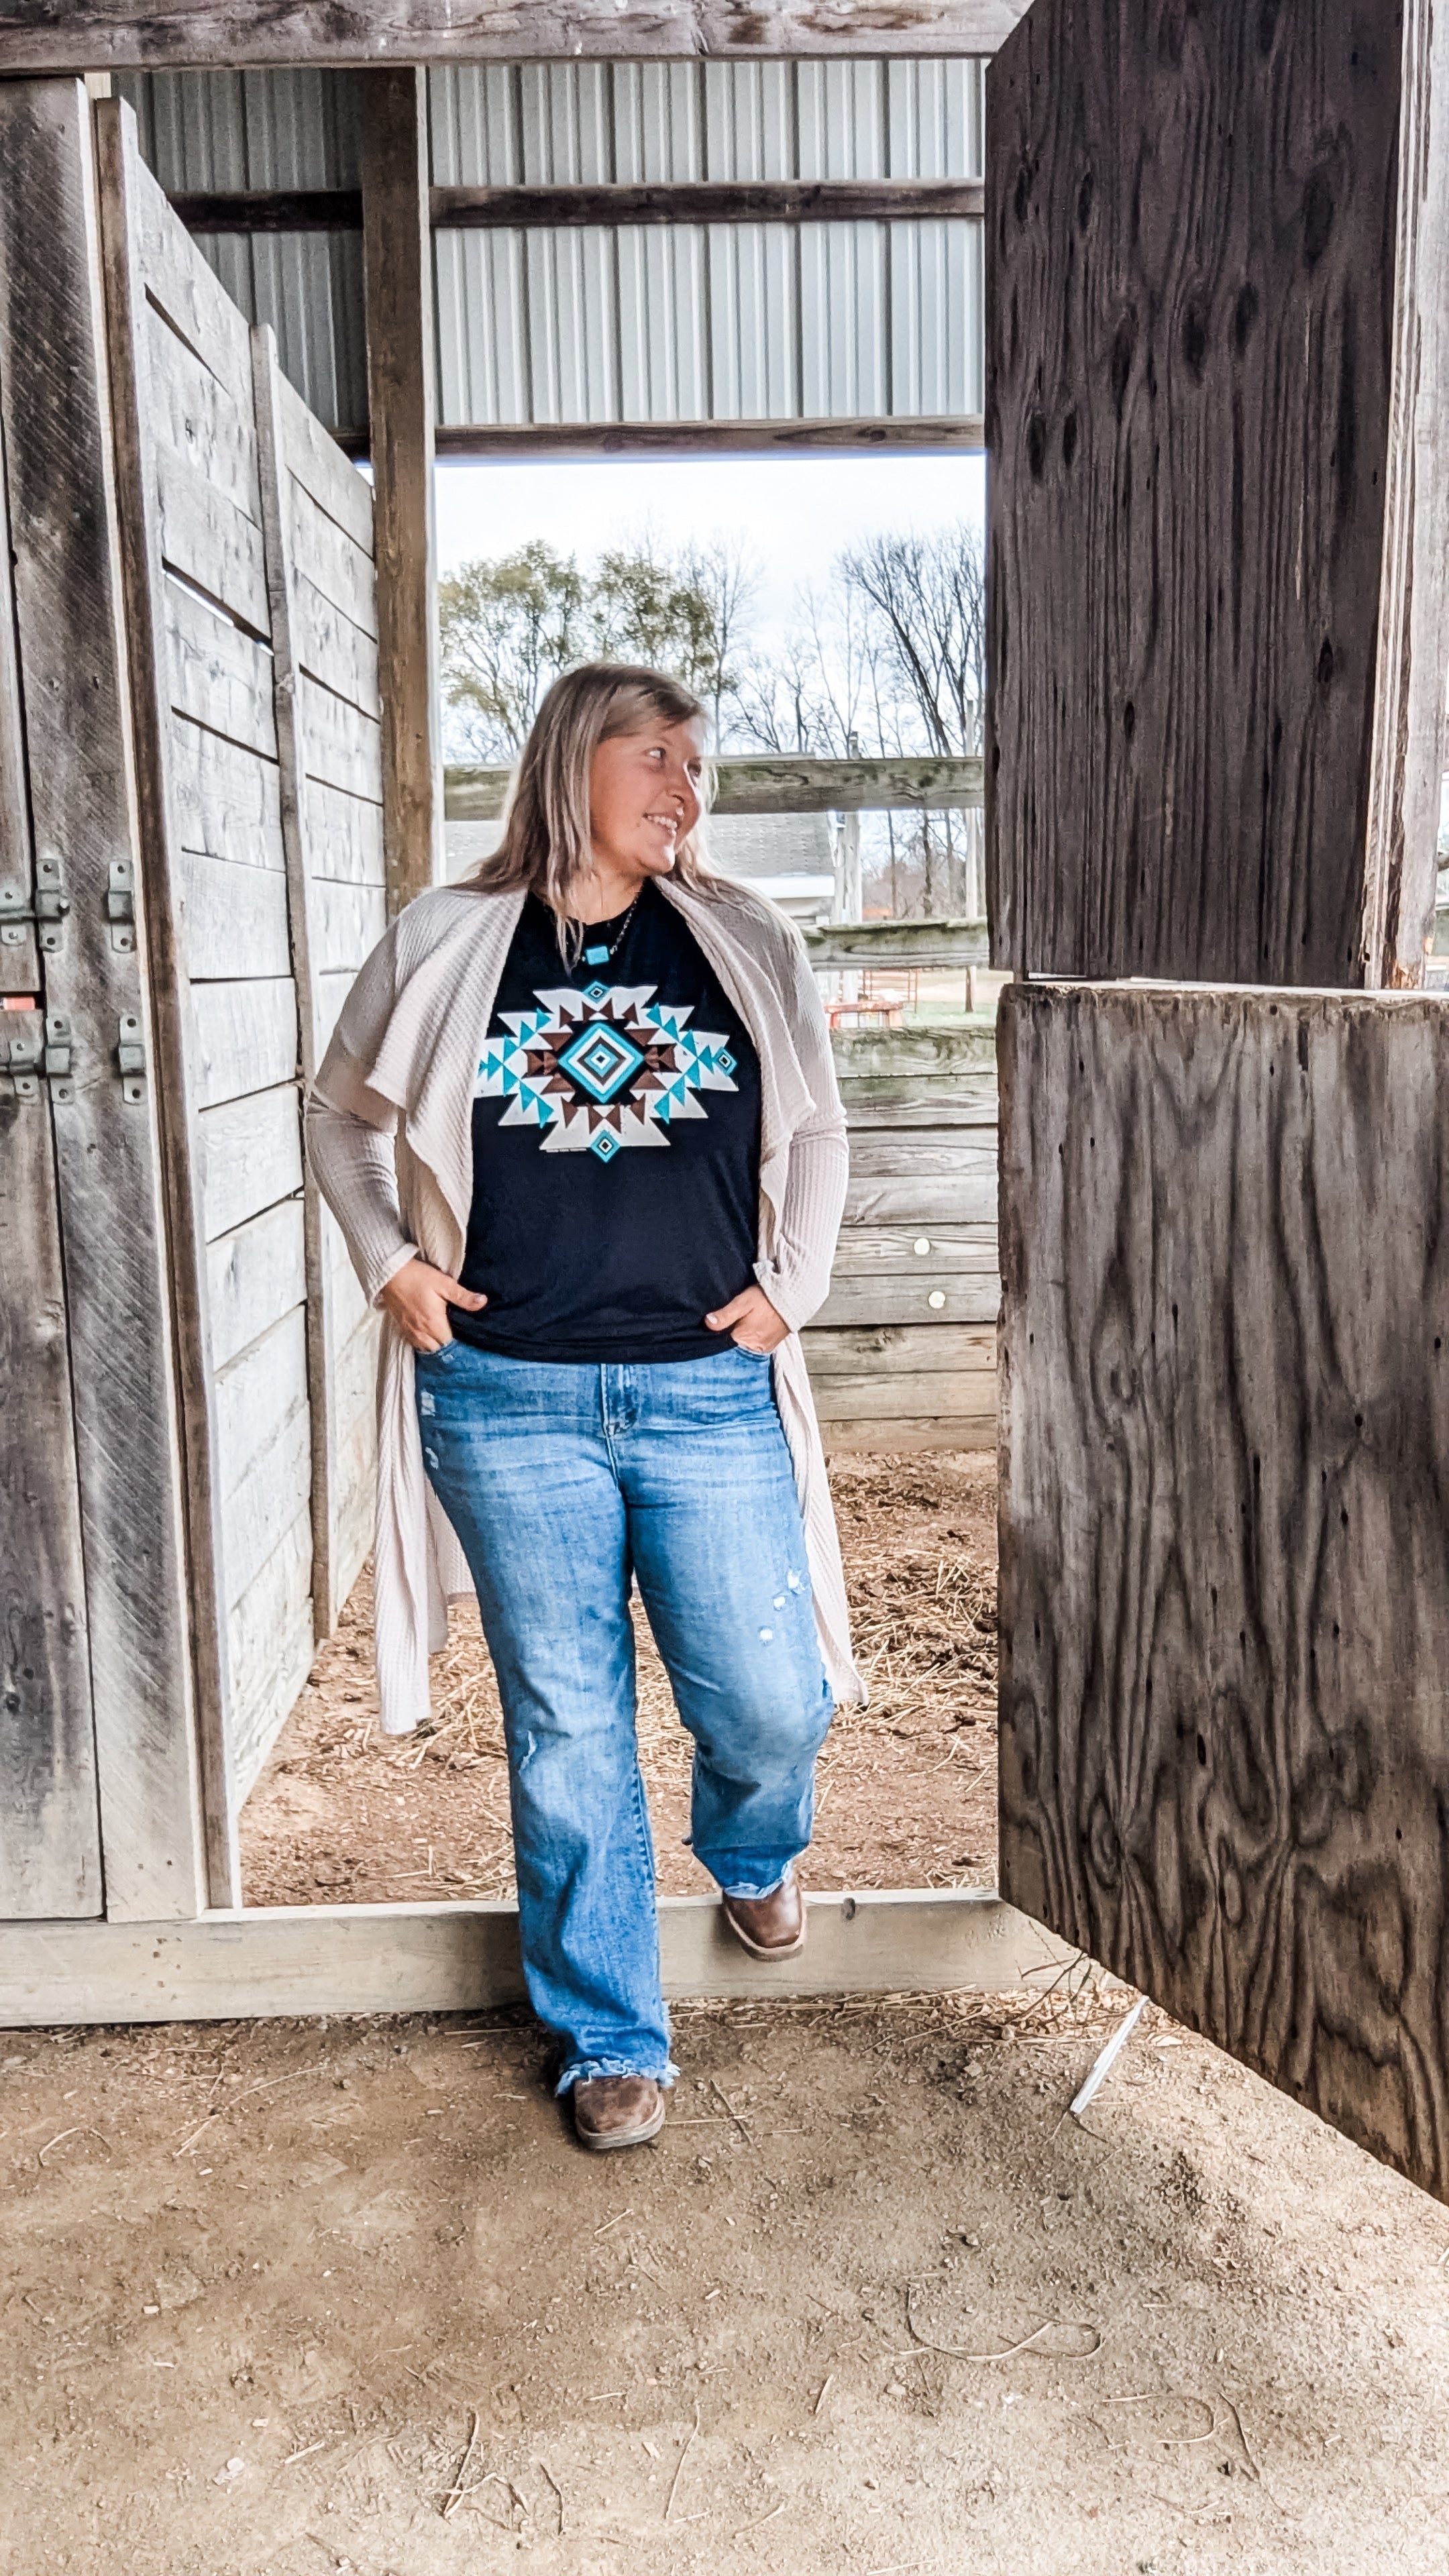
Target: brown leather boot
[(617, 2111), (773, 1926)]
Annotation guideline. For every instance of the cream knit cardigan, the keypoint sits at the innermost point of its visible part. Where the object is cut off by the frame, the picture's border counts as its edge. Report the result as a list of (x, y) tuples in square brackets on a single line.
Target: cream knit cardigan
[(390, 1137)]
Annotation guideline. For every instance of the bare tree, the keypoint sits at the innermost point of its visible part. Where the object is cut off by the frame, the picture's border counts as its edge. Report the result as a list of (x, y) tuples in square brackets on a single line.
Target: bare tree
[(927, 602)]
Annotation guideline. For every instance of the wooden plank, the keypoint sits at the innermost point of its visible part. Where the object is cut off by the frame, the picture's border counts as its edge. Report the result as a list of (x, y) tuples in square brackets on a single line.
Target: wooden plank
[(1189, 398), (1407, 766), (894, 1153), (251, 1156), (341, 746), (207, 539), (315, 460), (19, 954), (256, 1275), (970, 1109), (308, 1959), (66, 585), (245, 1038), (928, 1296), (869, 1251), (923, 1203), (768, 783), (277, 1482), (896, 1438), (140, 241), (1225, 1547), (341, 655), (230, 912), (945, 1396), (177, 281), (271, 1641), (898, 1349), (397, 260), (350, 922), (900, 433), (303, 905), (331, 992), (897, 943), (197, 417), (225, 799), (719, 201), (331, 557), (50, 1843), (344, 835), (217, 676), (918, 1053)]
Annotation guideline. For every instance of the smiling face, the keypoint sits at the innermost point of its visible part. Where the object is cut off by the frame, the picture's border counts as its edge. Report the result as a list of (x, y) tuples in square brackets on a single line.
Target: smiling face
[(644, 799)]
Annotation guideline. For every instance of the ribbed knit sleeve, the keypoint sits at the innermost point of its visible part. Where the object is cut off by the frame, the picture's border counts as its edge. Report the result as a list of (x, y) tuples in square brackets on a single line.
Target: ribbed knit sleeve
[(350, 1129), (797, 1279)]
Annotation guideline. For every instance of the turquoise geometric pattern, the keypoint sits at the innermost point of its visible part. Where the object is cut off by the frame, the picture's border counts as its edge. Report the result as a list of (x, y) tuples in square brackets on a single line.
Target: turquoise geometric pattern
[(598, 1070)]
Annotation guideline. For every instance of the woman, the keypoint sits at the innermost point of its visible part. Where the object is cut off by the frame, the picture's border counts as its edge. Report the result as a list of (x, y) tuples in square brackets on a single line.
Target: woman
[(580, 1128)]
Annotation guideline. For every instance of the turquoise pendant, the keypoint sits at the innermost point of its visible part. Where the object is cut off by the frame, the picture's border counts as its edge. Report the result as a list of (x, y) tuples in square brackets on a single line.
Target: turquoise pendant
[(596, 957)]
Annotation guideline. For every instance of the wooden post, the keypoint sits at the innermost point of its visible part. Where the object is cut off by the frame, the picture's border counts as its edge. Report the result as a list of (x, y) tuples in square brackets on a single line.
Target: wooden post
[(1413, 657), (163, 892), (397, 257), (52, 374)]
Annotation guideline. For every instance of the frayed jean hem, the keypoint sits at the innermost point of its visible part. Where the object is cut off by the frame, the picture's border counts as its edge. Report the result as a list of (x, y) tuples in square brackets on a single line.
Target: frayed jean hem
[(585, 2070)]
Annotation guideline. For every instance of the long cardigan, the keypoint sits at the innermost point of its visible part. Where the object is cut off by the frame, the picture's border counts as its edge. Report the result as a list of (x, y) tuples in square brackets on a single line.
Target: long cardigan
[(389, 1128)]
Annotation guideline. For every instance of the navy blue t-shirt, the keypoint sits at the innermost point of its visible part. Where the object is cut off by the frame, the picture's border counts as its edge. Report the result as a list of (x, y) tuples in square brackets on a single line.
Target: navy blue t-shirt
[(616, 1147)]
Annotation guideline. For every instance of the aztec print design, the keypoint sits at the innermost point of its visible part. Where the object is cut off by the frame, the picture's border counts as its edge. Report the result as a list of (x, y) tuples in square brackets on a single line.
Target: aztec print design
[(602, 1069)]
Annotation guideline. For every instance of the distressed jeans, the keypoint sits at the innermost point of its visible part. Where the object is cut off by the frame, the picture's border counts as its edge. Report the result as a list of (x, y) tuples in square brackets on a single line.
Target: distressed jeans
[(565, 1483)]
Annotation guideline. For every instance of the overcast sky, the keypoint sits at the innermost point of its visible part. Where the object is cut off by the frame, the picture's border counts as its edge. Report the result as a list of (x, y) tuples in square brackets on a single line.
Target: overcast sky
[(795, 513)]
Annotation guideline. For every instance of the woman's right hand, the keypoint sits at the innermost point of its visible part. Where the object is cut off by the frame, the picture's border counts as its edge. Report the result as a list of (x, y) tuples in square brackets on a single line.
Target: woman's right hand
[(418, 1297)]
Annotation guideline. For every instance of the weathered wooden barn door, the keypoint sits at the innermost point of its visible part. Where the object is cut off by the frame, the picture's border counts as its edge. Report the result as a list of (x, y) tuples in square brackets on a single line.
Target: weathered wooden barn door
[(246, 542), (1218, 359)]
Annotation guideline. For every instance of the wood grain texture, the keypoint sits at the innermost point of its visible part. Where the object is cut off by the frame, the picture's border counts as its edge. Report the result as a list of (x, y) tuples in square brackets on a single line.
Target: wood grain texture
[(50, 1843), (52, 369), (764, 783), (955, 435), (1190, 290), (1413, 658), (397, 261), (111, 35), (453, 1958), (180, 654), (1224, 1535)]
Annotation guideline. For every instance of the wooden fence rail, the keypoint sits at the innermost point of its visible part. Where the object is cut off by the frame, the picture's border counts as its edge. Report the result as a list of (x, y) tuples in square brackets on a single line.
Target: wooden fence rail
[(771, 783)]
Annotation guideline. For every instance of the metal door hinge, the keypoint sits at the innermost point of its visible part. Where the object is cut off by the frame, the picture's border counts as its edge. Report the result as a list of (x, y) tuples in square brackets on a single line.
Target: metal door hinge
[(121, 905), (131, 1058), (44, 916), (22, 1068), (31, 1061)]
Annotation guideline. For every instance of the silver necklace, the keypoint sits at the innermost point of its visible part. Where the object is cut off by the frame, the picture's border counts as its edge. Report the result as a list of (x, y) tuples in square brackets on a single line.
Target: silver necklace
[(600, 954)]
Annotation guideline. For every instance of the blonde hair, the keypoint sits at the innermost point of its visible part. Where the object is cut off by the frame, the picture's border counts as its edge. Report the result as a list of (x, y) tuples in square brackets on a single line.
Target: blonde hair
[(546, 845)]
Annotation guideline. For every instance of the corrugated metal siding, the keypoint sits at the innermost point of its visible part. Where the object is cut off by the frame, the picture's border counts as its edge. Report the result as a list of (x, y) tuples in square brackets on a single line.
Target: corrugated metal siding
[(697, 322), (292, 129), (708, 322)]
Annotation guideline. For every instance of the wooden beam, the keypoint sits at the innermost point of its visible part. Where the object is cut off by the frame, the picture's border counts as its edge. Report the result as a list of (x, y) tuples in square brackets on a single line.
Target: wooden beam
[(897, 943), (454, 1958), (116, 35), (398, 287), (715, 201), (1413, 657), (457, 440), (76, 718), (774, 783)]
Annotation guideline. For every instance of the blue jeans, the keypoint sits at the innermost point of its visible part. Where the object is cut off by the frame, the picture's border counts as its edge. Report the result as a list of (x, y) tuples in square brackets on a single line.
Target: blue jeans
[(563, 1483)]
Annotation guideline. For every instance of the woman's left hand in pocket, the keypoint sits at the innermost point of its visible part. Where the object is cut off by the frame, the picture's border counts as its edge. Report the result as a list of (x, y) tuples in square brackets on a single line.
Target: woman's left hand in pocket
[(751, 1320)]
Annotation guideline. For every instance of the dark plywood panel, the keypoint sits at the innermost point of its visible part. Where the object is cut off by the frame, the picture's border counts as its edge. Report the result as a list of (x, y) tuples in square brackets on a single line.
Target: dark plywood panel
[(1191, 270), (1225, 1523)]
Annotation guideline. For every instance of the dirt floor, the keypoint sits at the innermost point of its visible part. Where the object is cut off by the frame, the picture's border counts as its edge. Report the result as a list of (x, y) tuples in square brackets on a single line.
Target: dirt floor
[(299, 2300), (907, 1792)]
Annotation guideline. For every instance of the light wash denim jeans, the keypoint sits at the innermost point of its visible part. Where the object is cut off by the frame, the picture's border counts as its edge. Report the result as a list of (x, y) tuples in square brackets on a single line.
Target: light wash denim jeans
[(563, 1483)]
